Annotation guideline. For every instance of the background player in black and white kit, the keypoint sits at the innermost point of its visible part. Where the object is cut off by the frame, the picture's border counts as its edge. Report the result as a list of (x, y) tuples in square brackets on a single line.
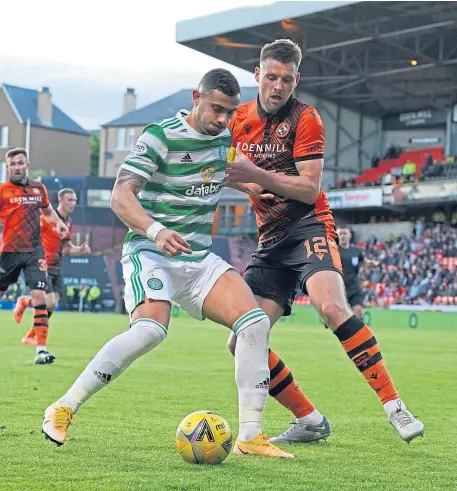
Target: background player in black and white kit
[(351, 259)]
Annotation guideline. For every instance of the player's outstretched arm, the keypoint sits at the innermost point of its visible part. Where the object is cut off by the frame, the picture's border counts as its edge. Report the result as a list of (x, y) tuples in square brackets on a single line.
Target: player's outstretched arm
[(304, 187), (308, 154), (74, 250), (51, 216)]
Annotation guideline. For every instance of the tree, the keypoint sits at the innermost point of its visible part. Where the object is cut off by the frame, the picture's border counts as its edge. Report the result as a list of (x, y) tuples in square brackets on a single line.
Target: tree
[(37, 174), (94, 154)]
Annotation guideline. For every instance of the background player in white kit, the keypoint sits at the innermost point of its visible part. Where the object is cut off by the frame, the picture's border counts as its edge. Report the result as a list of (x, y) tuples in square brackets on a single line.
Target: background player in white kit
[(167, 192)]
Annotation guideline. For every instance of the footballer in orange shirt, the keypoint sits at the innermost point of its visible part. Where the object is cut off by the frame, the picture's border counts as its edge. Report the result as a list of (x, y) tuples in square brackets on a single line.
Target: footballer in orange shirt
[(54, 247), (279, 142), (22, 203)]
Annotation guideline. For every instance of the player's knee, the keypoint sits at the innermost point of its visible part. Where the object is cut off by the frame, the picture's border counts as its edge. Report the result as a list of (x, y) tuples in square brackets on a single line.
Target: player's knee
[(254, 331), (51, 305), (231, 344), (334, 312), (148, 334), (358, 311), (39, 297)]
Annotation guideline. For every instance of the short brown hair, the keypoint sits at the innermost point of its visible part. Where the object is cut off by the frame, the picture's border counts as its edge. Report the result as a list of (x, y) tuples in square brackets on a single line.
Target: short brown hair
[(64, 192), (16, 151), (282, 50)]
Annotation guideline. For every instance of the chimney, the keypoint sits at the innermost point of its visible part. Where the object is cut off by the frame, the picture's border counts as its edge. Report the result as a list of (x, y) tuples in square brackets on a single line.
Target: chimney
[(129, 101), (45, 106)]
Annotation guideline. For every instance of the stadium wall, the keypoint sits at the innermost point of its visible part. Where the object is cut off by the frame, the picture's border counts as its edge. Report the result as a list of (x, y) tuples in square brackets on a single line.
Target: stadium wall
[(365, 231), (351, 139), (416, 138)]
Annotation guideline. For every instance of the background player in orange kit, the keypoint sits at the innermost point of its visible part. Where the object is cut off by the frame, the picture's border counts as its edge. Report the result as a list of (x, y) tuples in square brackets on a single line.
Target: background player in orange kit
[(283, 138), (21, 204), (54, 248)]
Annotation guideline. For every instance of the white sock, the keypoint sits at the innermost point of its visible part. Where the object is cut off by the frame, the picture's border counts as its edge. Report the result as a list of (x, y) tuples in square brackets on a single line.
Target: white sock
[(252, 374), (40, 347), (113, 359), (313, 418), (391, 406)]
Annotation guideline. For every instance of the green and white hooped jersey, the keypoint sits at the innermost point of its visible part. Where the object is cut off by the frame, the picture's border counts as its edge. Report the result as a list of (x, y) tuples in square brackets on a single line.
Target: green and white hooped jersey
[(185, 171)]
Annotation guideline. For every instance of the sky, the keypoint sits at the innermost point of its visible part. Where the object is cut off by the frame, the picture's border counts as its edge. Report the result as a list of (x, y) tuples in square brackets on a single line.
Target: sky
[(89, 51)]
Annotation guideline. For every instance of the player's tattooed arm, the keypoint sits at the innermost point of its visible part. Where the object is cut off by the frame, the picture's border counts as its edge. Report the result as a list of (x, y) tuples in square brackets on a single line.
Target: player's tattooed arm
[(125, 204), (133, 181)]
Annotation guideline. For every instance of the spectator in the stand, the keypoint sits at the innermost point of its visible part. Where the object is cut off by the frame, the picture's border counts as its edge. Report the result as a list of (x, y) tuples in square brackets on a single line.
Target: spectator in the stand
[(428, 161), (392, 152), (449, 160), (387, 179), (419, 227), (409, 170), (375, 161), (435, 170), (412, 269), (342, 184)]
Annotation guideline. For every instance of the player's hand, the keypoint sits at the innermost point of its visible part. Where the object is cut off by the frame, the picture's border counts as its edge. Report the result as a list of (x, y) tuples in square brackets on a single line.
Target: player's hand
[(61, 229), (241, 169), (258, 192), (171, 243), (84, 249)]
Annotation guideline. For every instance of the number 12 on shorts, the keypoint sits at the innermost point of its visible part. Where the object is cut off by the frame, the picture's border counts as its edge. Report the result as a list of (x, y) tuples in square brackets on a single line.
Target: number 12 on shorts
[(318, 247)]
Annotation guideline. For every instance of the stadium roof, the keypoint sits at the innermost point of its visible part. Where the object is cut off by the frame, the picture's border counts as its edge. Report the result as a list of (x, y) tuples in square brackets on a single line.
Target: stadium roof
[(25, 102), (378, 58), (167, 107)]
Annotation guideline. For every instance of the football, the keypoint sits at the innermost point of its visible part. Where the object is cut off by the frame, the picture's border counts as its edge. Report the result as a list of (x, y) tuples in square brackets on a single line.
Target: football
[(203, 437)]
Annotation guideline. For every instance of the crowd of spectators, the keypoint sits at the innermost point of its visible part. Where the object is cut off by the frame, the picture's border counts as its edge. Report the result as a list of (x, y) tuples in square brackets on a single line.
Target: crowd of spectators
[(420, 269)]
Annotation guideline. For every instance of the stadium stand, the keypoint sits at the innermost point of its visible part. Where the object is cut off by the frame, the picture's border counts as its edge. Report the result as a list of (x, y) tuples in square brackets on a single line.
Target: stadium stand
[(410, 165), (419, 270), (387, 165)]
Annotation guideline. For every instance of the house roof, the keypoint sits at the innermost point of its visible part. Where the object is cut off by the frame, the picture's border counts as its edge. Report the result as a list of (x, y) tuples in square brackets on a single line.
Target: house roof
[(167, 107), (25, 105)]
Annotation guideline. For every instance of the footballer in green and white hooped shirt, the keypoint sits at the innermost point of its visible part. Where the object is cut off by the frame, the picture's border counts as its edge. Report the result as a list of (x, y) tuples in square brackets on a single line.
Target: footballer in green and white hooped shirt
[(166, 192)]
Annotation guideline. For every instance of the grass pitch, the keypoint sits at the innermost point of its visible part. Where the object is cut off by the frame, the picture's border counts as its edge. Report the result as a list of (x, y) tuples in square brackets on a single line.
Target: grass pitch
[(124, 438)]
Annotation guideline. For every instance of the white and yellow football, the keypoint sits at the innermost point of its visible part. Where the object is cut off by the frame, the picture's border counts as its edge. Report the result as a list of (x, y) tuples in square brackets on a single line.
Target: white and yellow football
[(204, 437)]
